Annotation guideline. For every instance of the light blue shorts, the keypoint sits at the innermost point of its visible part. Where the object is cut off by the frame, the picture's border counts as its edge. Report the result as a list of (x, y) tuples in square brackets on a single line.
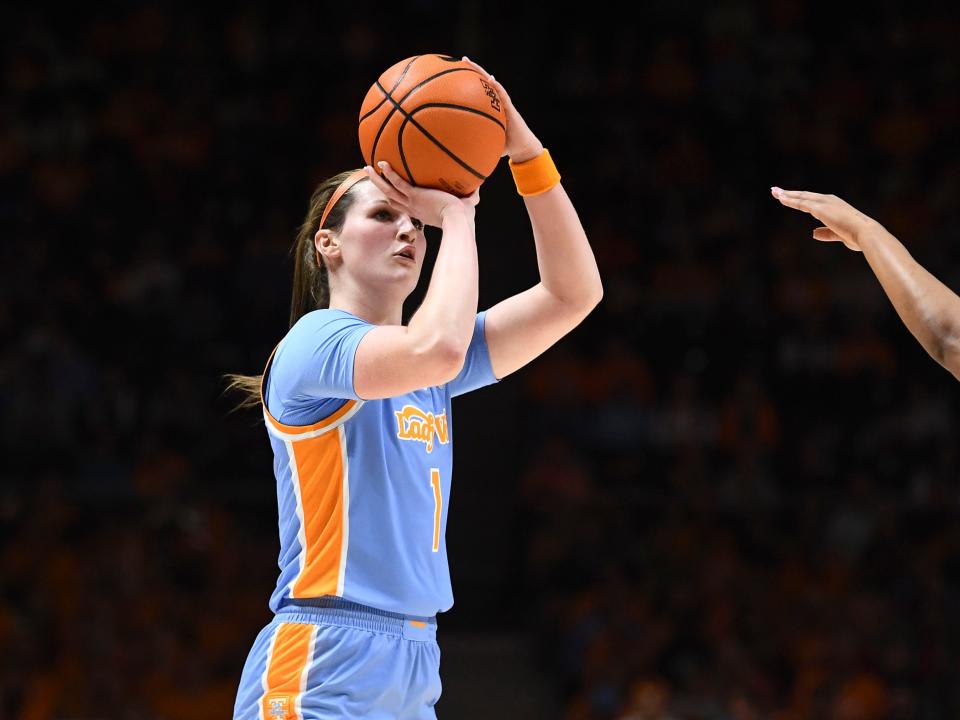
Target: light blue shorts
[(329, 658)]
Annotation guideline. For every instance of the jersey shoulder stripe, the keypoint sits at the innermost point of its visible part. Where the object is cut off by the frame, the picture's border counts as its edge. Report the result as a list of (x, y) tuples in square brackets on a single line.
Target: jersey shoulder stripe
[(303, 432)]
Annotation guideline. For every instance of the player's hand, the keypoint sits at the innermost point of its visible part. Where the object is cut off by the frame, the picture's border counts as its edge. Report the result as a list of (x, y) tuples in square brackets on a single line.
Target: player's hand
[(522, 144), (843, 222), (426, 204)]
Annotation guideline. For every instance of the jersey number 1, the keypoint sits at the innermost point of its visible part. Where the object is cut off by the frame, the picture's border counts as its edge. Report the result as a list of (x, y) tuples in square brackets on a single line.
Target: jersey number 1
[(437, 506)]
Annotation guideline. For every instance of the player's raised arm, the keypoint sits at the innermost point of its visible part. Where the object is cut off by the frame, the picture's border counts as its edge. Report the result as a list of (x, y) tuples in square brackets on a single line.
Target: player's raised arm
[(393, 359), (523, 326), (929, 309)]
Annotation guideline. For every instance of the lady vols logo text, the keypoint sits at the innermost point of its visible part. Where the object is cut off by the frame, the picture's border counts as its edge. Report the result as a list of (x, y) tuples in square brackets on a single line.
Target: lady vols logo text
[(414, 424)]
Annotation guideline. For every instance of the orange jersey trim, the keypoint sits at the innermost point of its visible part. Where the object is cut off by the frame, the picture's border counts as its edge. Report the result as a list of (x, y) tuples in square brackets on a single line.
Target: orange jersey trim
[(321, 478), (324, 424)]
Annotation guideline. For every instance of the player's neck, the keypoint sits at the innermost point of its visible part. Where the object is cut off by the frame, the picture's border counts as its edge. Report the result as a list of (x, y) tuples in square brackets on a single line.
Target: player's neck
[(375, 310)]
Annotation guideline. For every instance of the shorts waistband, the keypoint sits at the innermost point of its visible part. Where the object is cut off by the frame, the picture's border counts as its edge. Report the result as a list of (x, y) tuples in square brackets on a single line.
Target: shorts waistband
[(337, 611)]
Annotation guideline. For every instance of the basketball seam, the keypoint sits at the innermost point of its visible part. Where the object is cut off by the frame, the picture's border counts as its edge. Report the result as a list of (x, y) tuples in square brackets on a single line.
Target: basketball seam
[(418, 108), (388, 96), (403, 155), (409, 119), (397, 103), (395, 85)]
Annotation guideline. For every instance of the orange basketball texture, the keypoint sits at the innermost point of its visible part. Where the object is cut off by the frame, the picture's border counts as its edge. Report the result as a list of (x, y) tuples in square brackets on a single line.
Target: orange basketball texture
[(437, 121)]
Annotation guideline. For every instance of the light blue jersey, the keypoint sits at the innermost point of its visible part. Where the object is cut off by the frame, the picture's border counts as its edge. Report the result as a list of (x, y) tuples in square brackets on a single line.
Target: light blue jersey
[(362, 486)]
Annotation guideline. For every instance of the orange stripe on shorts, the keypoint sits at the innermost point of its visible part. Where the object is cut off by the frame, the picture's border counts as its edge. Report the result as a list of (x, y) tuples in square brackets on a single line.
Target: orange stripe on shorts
[(285, 674)]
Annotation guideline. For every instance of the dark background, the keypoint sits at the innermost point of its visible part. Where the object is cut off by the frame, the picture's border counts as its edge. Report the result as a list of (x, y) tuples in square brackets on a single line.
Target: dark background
[(731, 493)]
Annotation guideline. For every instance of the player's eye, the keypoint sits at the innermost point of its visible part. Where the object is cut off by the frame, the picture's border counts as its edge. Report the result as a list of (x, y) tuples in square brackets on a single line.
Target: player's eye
[(387, 215)]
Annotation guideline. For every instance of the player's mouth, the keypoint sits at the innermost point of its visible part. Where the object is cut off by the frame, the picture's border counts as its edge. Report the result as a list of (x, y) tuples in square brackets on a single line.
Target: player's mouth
[(408, 253)]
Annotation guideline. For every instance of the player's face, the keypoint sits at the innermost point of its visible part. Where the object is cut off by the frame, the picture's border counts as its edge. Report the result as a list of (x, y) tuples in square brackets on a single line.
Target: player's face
[(381, 243)]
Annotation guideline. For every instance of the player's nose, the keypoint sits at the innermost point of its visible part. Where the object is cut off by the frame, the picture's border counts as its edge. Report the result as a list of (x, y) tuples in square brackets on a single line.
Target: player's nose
[(406, 229)]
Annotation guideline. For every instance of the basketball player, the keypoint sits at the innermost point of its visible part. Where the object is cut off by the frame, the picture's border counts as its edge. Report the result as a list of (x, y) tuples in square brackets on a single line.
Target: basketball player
[(358, 412), (929, 309)]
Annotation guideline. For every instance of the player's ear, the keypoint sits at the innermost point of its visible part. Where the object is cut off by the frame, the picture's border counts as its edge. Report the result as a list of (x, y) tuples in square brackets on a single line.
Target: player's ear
[(327, 243)]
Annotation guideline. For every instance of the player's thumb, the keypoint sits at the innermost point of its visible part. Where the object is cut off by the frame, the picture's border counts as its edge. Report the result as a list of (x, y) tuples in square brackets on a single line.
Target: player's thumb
[(825, 234)]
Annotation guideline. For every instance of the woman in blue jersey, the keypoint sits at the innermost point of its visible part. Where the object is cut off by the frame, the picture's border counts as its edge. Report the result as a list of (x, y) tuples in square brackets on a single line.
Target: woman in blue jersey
[(358, 412)]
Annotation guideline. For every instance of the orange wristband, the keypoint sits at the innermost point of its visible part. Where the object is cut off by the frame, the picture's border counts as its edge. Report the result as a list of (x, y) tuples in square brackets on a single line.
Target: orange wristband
[(535, 176)]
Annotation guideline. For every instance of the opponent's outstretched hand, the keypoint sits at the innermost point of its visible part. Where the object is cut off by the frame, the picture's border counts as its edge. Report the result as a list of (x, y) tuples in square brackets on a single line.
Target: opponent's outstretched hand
[(842, 222)]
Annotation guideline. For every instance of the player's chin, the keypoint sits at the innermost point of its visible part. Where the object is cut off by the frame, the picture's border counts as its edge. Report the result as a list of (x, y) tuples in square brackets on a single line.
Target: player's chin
[(404, 267), (406, 274)]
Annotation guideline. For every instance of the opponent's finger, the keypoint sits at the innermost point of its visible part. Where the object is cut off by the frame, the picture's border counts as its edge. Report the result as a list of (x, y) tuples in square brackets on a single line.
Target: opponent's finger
[(803, 205), (800, 194), (395, 179), (793, 199), (825, 234), (805, 195)]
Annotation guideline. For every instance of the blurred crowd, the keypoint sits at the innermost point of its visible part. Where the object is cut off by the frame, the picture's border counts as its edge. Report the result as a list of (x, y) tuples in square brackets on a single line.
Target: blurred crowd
[(736, 495)]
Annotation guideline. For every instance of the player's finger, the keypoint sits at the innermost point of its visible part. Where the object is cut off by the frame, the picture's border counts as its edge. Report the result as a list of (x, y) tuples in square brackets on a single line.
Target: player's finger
[(473, 198), (398, 182), (385, 187), (475, 65), (501, 90)]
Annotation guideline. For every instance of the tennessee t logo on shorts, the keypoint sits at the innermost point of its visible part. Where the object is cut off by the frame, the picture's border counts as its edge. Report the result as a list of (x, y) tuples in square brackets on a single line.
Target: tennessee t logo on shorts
[(279, 707)]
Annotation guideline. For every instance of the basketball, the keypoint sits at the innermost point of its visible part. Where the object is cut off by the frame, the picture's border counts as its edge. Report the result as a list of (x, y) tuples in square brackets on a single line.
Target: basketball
[(437, 121)]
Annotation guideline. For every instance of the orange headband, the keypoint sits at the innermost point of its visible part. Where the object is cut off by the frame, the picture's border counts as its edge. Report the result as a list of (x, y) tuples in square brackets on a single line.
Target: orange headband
[(341, 190)]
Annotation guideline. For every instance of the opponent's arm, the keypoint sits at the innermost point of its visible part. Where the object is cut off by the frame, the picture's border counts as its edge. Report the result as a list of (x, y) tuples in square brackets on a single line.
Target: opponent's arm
[(929, 309)]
